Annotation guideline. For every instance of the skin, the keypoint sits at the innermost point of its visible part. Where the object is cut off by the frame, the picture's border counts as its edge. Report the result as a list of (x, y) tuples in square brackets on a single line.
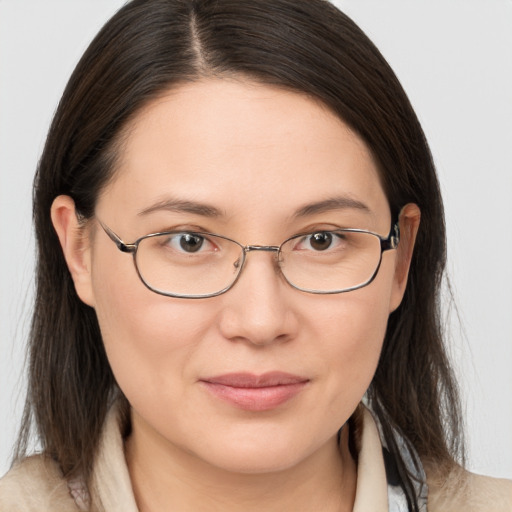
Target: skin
[(257, 154)]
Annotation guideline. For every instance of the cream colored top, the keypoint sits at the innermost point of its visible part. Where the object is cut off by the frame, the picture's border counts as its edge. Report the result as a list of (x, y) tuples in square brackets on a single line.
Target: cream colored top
[(36, 484)]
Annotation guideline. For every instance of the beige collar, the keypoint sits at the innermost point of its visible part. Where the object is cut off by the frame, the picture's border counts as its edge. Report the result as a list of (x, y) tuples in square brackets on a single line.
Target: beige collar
[(372, 487)]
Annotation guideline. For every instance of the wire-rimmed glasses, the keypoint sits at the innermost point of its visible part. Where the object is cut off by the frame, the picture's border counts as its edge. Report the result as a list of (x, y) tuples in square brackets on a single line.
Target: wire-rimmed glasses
[(195, 264)]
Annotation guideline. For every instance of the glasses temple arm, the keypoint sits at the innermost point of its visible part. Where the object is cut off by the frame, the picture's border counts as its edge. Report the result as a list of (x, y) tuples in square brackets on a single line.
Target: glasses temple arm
[(129, 248), (392, 241)]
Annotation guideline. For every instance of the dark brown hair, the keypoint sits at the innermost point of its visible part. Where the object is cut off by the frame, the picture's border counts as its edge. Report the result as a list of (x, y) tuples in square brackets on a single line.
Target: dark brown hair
[(309, 46)]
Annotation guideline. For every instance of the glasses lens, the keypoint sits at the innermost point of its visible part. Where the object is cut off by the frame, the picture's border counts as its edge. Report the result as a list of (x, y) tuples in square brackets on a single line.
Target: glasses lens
[(330, 261), (188, 264)]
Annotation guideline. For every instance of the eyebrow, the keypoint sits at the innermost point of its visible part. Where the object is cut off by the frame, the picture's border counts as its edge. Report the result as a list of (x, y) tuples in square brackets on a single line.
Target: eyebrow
[(206, 210), (333, 203), (183, 206)]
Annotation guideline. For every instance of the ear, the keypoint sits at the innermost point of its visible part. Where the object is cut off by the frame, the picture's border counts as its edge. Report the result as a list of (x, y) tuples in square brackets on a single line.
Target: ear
[(75, 243), (409, 220)]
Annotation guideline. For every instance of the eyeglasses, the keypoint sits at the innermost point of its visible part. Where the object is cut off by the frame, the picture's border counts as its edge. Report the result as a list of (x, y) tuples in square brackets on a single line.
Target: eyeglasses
[(193, 265)]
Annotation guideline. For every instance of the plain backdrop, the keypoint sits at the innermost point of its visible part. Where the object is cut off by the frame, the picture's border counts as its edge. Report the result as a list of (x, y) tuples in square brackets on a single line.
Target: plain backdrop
[(453, 57)]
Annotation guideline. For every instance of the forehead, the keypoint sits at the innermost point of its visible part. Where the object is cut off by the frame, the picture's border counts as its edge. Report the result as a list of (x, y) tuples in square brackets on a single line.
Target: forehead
[(241, 146)]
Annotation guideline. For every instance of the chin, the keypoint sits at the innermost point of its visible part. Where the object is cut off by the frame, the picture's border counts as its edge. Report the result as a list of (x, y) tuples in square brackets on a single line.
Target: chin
[(262, 454), (251, 463)]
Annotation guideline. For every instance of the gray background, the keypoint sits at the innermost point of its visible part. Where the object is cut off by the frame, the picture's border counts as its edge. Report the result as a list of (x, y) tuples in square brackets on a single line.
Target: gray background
[(454, 58)]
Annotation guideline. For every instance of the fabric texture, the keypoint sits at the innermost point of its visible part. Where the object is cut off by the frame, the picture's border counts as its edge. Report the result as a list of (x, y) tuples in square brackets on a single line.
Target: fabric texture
[(397, 500), (36, 484)]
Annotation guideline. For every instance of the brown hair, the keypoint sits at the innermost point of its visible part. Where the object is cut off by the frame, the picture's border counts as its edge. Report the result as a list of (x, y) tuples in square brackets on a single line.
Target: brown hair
[(303, 45)]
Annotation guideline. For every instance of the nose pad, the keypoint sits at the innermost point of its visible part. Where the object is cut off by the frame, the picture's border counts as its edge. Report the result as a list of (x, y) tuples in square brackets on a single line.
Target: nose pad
[(241, 260)]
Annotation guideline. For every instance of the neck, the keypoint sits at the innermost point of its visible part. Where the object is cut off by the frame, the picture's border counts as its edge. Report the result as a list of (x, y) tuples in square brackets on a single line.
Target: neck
[(172, 479)]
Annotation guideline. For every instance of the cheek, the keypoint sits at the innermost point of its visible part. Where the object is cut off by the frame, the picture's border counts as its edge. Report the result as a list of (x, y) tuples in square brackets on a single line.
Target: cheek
[(353, 327), (148, 338)]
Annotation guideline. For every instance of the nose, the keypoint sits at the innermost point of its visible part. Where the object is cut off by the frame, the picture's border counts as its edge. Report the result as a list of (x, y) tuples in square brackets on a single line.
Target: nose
[(259, 308)]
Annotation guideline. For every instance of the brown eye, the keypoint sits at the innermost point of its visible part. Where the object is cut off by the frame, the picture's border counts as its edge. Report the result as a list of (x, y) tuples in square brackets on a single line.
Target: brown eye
[(320, 241), (190, 242)]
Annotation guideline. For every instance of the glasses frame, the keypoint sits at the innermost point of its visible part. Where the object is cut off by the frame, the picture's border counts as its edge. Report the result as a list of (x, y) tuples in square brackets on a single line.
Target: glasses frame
[(387, 243)]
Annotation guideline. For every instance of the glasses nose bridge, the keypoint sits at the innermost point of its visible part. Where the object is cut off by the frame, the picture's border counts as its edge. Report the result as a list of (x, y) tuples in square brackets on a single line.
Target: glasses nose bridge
[(265, 248)]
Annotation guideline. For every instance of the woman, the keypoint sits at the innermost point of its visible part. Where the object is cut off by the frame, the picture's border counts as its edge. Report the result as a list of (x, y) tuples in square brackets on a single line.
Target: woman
[(240, 235)]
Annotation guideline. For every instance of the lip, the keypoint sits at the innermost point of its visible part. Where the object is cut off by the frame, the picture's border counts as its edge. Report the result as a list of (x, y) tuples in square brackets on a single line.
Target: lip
[(252, 392)]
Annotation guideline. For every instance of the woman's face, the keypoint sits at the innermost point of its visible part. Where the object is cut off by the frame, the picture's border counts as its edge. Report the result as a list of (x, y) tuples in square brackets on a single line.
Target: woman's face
[(254, 156)]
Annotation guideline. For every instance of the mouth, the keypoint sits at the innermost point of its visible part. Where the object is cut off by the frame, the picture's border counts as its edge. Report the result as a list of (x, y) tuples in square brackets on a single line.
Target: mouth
[(255, 392)]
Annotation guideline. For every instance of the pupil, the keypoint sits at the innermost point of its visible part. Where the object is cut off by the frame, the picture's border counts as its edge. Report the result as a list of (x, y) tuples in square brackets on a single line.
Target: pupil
[(321, 241), (191, 243)]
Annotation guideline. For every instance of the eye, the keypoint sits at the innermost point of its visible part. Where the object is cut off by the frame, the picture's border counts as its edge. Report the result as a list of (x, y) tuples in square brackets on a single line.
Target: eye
[(320, 241), (189, 243)]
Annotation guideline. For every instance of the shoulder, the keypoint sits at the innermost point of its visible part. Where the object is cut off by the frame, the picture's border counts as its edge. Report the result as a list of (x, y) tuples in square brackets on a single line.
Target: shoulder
[(35, 484), (461, 490)]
